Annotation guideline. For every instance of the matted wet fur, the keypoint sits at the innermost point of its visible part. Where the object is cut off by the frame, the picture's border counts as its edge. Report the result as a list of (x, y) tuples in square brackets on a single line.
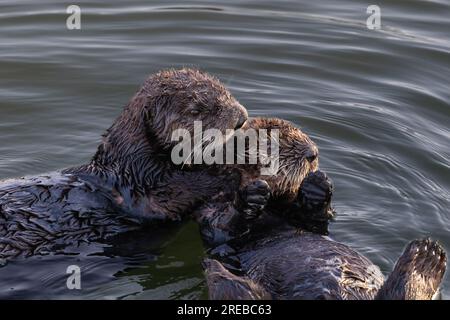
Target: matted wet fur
[(131, 179), (262, 254), (289, 265), (230, 215)]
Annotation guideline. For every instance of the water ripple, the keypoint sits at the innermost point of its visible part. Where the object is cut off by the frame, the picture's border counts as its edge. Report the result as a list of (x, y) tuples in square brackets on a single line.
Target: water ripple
[(376, 103)]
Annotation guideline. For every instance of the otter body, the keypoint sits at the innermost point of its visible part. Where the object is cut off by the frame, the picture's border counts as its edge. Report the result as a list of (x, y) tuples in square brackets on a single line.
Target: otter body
[(287, 265), (131, 179), (44, 214), (266, 254), (309, 266), (40, 214), (269, 257)]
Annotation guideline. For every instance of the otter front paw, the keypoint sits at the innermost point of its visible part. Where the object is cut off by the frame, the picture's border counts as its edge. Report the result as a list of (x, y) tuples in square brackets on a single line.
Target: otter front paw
[(314, 199), (315, 196), (254, 198)]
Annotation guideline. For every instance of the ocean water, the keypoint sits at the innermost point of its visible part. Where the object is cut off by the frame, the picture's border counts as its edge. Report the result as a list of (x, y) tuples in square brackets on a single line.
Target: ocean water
[(376, 102)]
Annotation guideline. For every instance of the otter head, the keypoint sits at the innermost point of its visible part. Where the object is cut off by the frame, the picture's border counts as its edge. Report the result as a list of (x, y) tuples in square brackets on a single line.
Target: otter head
[(297, 156), (168, 100), (176, 99)]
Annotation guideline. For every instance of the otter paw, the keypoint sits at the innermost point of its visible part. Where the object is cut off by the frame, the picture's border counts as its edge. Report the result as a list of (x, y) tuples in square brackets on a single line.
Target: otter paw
[(315, 196), (429, 257), (255, 197)]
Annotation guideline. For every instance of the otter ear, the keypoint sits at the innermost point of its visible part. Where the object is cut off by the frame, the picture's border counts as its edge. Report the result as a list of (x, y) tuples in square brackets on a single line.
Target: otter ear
[(155, 108), (148, 110), (155, 105)]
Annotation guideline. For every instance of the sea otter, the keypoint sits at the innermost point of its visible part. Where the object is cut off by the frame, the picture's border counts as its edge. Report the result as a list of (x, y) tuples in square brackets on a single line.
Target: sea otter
[(274, 259), (131, 179), (267, 252)]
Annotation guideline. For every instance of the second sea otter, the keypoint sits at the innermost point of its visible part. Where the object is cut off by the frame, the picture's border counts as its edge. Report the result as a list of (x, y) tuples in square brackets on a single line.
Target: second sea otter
[(286, 193), (260, 253)]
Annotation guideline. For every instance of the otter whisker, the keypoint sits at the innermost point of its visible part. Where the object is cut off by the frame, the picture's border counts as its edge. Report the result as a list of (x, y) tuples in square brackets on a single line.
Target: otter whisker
[(133, 170), (188, 158), (197, 150)]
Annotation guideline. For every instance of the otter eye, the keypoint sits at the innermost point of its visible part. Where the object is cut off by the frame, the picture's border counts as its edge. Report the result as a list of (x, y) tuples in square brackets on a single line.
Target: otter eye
[(311, 156), (200, 108)]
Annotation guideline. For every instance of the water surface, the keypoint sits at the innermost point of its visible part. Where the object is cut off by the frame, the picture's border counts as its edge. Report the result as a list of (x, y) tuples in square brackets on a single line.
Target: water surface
[(375, 102)]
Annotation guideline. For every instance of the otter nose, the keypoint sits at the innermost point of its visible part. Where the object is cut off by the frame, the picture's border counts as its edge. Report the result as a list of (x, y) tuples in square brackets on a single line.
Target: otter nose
[(241, 121), (311, 155)]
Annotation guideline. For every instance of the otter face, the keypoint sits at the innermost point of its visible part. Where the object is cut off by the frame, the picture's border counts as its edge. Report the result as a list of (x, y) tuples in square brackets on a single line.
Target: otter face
[(178, 98), (298, 155)]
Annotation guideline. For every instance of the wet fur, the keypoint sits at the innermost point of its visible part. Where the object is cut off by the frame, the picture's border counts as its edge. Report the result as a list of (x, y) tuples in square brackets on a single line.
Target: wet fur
[(131, 180), (229, 286), (417, 273), (220, 218), (271, 258), (308, 266)]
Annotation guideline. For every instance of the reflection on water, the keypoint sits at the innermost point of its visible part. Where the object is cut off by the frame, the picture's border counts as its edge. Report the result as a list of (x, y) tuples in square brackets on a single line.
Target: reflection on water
[(152, 264), (375, 102)]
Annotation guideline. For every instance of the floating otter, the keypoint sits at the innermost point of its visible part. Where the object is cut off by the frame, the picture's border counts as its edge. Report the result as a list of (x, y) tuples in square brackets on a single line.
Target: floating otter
[(230, 215), (275, 259), (130, 180), (287, 265), (272, 258)]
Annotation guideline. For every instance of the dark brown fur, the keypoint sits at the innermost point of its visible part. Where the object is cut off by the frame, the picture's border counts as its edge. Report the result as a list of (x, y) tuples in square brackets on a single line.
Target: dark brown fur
[(417, 273), (130, 180), (298, 155), (135, 154), (221, 219), (228, 286), (308, 266), (274, 259)]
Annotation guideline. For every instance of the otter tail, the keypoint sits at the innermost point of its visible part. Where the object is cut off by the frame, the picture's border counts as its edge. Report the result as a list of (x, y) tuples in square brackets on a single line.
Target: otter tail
[(223, 285), (417, 273)]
